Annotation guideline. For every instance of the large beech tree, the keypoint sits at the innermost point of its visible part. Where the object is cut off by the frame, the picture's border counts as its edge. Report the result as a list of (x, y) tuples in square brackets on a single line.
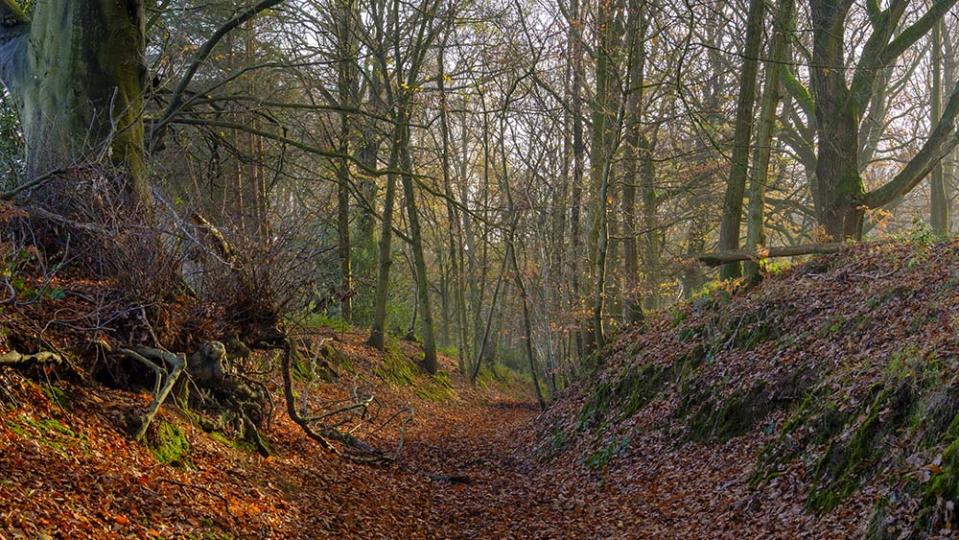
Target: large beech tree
[(76, 72)]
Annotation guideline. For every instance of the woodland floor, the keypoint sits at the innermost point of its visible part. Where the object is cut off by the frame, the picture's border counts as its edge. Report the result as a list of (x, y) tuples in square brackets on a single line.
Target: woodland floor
[(467, 471)]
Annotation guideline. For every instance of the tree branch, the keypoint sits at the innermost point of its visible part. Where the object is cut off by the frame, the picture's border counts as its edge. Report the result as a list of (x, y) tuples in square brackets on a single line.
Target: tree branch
[(176, 99), (940, 142)]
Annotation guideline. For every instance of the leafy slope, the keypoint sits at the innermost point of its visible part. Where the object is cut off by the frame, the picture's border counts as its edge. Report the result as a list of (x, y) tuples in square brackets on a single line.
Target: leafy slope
[(68, 471), (822, 403)]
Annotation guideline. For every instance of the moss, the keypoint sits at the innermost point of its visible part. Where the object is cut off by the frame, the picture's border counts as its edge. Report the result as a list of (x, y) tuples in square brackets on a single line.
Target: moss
[(555, 445), (758, 333), (748, 331), (435, 388), (840, 470), (943, 486), (713, 419), (395, 368), (639, 387), (237, 444), (169, 445), (877, 530), (828, 423), (49, 432), (221, 438), (834, 324), (946, 483), (321, 320), (56, 395), (731, 417), (302, 370), (821, 418), (936, 414), (600, 458), (776, 453), (597, 406), (636, 388), (677, 316), (690, 332)]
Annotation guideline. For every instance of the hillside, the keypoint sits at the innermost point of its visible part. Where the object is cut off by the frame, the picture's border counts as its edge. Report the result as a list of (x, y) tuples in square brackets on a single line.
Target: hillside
[(821, 403)]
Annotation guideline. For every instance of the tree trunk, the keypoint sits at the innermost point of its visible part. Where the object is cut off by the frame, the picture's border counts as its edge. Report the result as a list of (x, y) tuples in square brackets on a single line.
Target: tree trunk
[(755, 235), (385, 259), (637, 147), (77, 74), (345, 50), (837, 172), (579, 156), (736, 185), (430, 363), (939, 207)]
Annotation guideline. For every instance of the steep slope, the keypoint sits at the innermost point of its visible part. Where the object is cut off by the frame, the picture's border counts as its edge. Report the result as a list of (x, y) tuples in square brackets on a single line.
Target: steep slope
[(823, 402)]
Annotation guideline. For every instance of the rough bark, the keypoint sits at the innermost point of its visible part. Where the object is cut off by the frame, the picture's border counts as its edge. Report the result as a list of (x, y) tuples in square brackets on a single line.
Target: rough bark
[(77, 74), (736, 184), (637, 161), (430, 363), (385, 258), (755, 235), (724, 257), (939, 203)]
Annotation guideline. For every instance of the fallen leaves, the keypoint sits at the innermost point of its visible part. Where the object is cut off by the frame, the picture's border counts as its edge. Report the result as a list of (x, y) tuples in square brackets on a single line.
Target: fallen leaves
[(527, 472)]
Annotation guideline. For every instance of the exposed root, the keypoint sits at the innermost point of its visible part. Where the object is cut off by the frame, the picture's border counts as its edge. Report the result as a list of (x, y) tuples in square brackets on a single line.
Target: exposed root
[(154, 360)]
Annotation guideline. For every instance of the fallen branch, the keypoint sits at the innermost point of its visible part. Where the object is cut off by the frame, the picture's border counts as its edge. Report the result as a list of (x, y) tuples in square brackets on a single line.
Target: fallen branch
[(36, 182), (14, 358), (723, 257), (366, 453)]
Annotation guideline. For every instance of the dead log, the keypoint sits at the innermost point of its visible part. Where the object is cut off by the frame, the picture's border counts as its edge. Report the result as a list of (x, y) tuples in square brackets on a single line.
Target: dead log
[(723, 257)]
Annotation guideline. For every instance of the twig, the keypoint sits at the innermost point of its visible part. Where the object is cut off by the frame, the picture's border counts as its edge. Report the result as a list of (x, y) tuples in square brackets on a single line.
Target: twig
[(42, 179)]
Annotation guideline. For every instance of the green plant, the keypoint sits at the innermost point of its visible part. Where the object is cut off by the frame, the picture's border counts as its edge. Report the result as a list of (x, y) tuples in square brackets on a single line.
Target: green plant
[(396, 368), (322, 320), (435, 388)]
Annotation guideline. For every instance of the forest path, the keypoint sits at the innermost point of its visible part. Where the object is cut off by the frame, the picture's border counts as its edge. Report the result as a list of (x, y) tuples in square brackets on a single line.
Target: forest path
[(463, 474)]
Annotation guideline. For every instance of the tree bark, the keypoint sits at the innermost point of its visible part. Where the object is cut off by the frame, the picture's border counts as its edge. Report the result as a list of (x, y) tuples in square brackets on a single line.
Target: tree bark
[(755, 235), (939, 204), (430, 363), (736, 185), (724, 257), (385, 258), (77, 74), (638, 148)]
